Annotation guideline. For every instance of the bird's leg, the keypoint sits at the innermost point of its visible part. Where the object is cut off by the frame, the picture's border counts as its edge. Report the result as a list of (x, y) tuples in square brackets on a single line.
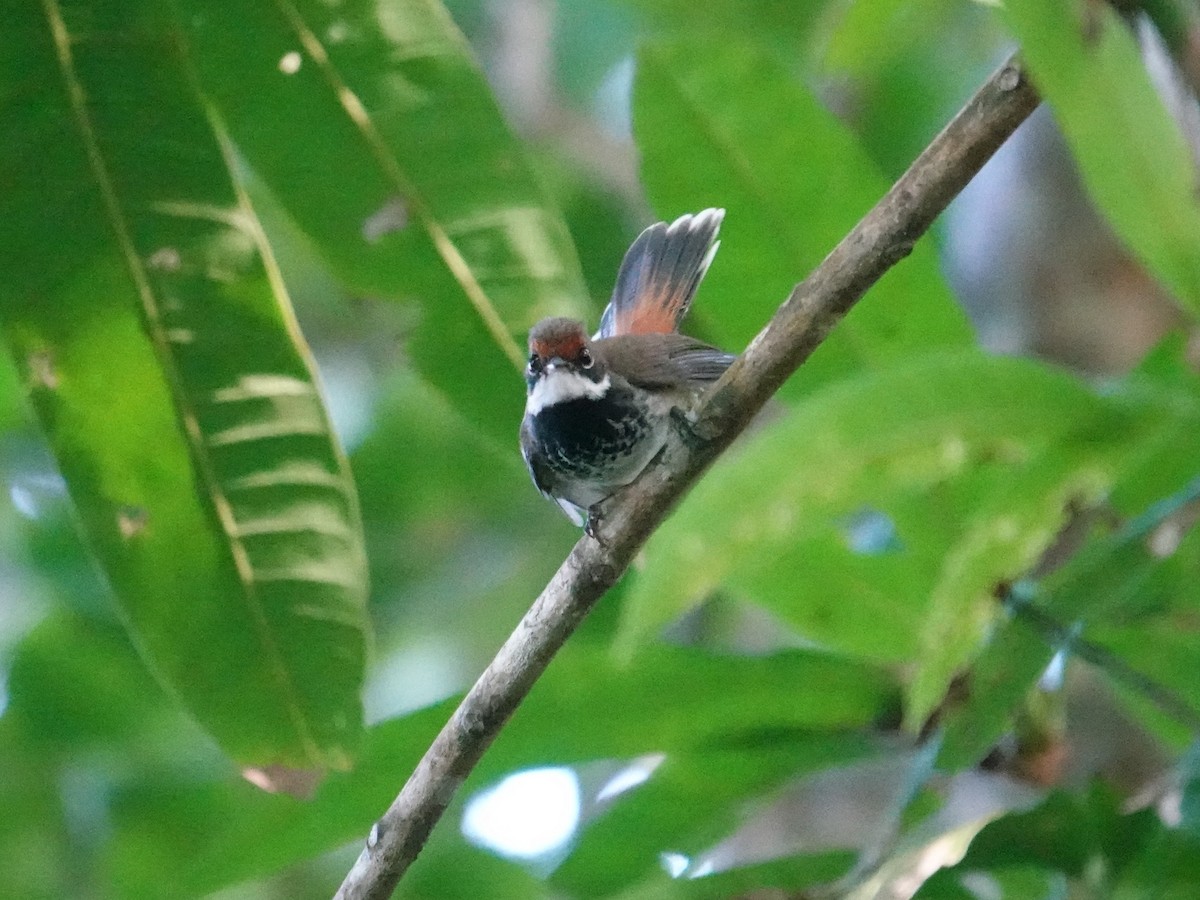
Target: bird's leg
[(595, 516)]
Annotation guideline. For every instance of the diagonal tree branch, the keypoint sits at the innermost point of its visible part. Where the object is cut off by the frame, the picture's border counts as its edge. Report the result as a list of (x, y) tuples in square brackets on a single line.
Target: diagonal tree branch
[(883, 237)]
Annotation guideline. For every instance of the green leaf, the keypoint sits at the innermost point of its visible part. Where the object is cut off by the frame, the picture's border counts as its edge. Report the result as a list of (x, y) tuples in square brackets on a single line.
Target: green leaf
[(450, 869), (1145, 602), (1134, 160), (1168, 869), (794, 181), (1011, 881), (1118, 574), (1167, 365), (911, 64), (881, 440), (685, 699), (219, 849), (152, 331), (877, 625), (1165, 651), (77, 683), (377, 132)]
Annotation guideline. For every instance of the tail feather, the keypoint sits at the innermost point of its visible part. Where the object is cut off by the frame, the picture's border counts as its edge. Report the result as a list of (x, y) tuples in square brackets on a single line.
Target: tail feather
[(660, 274)]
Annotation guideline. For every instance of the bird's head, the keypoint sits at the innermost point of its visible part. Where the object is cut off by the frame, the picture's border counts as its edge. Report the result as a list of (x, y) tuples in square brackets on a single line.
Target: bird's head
[(563, 364)]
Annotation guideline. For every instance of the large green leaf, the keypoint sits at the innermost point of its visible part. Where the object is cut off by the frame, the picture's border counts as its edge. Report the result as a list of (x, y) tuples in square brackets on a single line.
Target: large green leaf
[(793, 180), (377, 132), (450, 869), (683, 699), (1168, 868), (1000, 677), (884, 440), (152, 331), (1133, 158)]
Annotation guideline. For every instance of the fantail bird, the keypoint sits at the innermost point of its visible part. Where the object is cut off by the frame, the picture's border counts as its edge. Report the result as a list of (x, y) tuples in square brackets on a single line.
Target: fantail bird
[(599, 410)]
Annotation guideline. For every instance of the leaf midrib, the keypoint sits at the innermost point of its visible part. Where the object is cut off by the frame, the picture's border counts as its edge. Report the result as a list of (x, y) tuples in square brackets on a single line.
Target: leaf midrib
[(223, 508)]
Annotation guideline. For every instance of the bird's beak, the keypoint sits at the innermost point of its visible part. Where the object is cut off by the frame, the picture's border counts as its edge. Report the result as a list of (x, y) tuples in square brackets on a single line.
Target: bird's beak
[(555, 362)]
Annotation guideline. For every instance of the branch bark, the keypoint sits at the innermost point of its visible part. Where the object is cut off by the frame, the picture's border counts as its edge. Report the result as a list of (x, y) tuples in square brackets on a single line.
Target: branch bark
[(883, 237)]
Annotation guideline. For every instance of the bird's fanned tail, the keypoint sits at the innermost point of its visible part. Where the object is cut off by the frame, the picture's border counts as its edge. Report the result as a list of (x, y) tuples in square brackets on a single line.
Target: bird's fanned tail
[(660, 274)]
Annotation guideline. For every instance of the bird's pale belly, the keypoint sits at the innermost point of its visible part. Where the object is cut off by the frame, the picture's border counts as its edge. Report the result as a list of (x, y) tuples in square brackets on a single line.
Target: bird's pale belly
[(595, 446)]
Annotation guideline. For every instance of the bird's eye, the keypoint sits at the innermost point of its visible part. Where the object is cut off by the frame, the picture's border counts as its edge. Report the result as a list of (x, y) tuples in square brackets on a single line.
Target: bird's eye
[(585, 358), (535, 363)]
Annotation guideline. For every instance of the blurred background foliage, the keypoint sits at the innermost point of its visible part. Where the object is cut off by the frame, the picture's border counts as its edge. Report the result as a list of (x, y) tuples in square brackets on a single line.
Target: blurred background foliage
[(936, 615)]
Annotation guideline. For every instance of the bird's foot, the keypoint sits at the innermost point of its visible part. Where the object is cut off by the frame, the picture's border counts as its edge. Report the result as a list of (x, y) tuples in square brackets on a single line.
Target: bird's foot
[(595, 517)]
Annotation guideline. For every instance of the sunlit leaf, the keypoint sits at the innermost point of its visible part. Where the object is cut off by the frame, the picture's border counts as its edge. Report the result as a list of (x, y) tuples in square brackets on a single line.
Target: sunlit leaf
[(160, 354)]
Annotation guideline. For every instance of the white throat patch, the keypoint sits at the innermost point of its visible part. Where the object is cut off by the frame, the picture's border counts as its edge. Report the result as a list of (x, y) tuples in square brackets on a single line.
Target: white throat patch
[(561, 386)]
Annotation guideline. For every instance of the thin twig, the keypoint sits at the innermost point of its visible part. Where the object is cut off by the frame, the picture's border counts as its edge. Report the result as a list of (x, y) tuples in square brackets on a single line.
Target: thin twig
[(884, 237)]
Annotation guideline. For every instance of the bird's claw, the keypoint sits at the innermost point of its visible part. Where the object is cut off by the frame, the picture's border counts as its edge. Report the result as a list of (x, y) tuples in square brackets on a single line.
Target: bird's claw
[(591, 527)]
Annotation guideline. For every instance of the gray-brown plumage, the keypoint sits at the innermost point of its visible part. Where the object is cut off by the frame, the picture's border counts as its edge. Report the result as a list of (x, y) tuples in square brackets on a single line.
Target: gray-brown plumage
[(598, 409)]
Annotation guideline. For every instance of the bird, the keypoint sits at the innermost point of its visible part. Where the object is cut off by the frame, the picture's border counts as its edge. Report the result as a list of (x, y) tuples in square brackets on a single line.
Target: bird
[(599, 410)]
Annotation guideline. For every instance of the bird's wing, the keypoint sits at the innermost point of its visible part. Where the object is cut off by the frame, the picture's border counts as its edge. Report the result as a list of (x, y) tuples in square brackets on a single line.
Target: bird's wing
[(702, 363), (663, 361)]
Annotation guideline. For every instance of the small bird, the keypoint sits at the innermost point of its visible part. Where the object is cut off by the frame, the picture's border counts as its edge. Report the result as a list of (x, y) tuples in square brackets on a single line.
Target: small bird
[(599, 410)]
